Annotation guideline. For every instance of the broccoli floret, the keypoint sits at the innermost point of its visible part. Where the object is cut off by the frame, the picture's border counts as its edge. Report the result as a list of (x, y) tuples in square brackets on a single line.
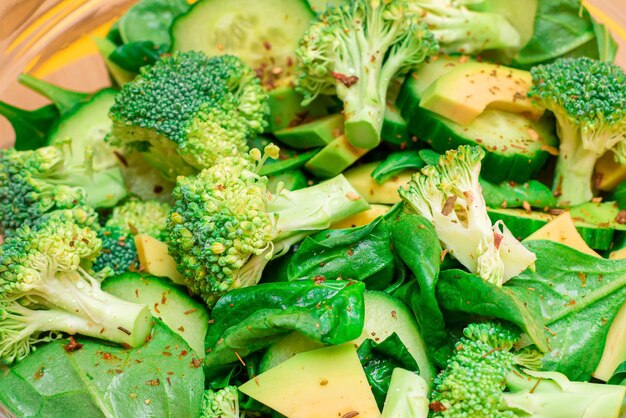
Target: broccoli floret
[(33, 183), (463, 27), (587, 97), (46, 287), (141, 217), (225, 225), (484, 366), (355, 50), (119, 253), (143, 180), (188, 111), (450, 196), (223, 403)]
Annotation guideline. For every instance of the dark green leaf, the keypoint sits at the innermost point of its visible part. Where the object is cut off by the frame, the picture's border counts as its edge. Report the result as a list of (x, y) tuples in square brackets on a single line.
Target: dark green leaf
[(415, 241), (252, 318), (619, 376), (397, 162), (65, 100), (134, 55), (579, 296), (379, 360), (363, 254), (162, 379), (31, 126), (460, 291), (293, 162), (150, 20), (429, 156)]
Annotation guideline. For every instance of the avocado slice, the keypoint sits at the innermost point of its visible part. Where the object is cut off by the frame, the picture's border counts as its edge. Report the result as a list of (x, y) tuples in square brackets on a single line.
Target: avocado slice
[(334, 158), (615, 348), (438, 66), (387, 193), (608, 173), (286, 108), (317, 133), (467, 90), (407, 395)]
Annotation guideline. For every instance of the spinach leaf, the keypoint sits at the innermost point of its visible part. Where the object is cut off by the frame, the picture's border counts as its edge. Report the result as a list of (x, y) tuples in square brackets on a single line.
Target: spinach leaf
[(134, 55), (249, 319), (562, 28), (460, 291), (274, 167), (619, 376), (150, 20), (430, 157), (607, 46), (416, 243), (363, 254), (397, 162), (379, 360), (579, 296), (160, 379), (31, 126)]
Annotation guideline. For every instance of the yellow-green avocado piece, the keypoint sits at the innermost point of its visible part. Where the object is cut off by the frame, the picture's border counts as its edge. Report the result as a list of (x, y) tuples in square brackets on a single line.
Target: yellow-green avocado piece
[(317, 133), (468, 89)]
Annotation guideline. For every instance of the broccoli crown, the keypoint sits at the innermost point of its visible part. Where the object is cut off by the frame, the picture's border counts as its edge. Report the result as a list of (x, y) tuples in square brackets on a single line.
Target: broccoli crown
[(223, 403), (462, 28), (473, 381), (188, 110), (143, 217), (46, 287), (355, 50), (587, 93), (119, 253), (33, 183), (218, 222)]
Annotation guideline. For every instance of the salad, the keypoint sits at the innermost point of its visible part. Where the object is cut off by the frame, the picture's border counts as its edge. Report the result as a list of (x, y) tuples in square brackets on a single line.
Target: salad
[(366, 208)]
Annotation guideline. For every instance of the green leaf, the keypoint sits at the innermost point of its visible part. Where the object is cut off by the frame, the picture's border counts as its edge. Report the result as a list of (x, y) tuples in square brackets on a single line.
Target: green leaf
[(249, 319), (416, 243), (151, 20), (429, 156), (460, 291), (379, 360), (397, 162), (561, 28), (134, 55), (31, 126), (607, 46), (579, 296), (362, 254), (162, 379), (65, 100), (272, 167), (619, 376)]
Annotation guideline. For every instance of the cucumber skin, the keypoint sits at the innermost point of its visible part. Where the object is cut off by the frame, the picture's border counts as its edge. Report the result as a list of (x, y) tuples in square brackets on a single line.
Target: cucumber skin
[(523, 226), (428, 126)]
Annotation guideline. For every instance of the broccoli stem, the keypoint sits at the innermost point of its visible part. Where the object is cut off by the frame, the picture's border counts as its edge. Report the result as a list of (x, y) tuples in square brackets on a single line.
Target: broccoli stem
[(316, 207), (574, 169), (95, 312)]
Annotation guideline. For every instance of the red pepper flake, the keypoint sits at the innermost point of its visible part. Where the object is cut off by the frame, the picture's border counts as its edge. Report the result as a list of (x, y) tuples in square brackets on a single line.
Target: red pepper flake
[(448, 206), (167, 354), (497, 239), (621, 217), (196, 362), (350, 414), (190, 311), (169, 381), (319, 280), (72, 346), (181, 328), (346, 80), (267, 45), (443, 253), (526, 206), (163, 298), (583, 278), (170, 373), (39, 373), (106, 356), (155, 382), (353, 196), (157, 189), (240, 359), (571, 303), (437, 407), (124, 330), (137, 293), (156, 308), (121, 158), (350, 253), (394, 314)]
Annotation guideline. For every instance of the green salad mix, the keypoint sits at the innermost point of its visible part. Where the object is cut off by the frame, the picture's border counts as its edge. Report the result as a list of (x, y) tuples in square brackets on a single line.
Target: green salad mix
[(314, 209)]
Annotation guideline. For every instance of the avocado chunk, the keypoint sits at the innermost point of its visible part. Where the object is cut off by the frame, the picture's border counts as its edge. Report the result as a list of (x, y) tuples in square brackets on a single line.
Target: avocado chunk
[(608, 173), (286, 108), (155, 259), (614, 352), (407, 396), (387, 193), (334, 158), (438, 66), (562, 230), (317, 133), (467, 90), (363, 218), (328, 382)]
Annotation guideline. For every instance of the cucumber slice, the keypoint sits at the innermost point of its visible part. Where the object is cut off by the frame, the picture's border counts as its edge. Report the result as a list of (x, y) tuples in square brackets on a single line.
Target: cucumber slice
[(263, 36), (522, 224), (395, 129), (168, 302), (384, 315), (87, 124)]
